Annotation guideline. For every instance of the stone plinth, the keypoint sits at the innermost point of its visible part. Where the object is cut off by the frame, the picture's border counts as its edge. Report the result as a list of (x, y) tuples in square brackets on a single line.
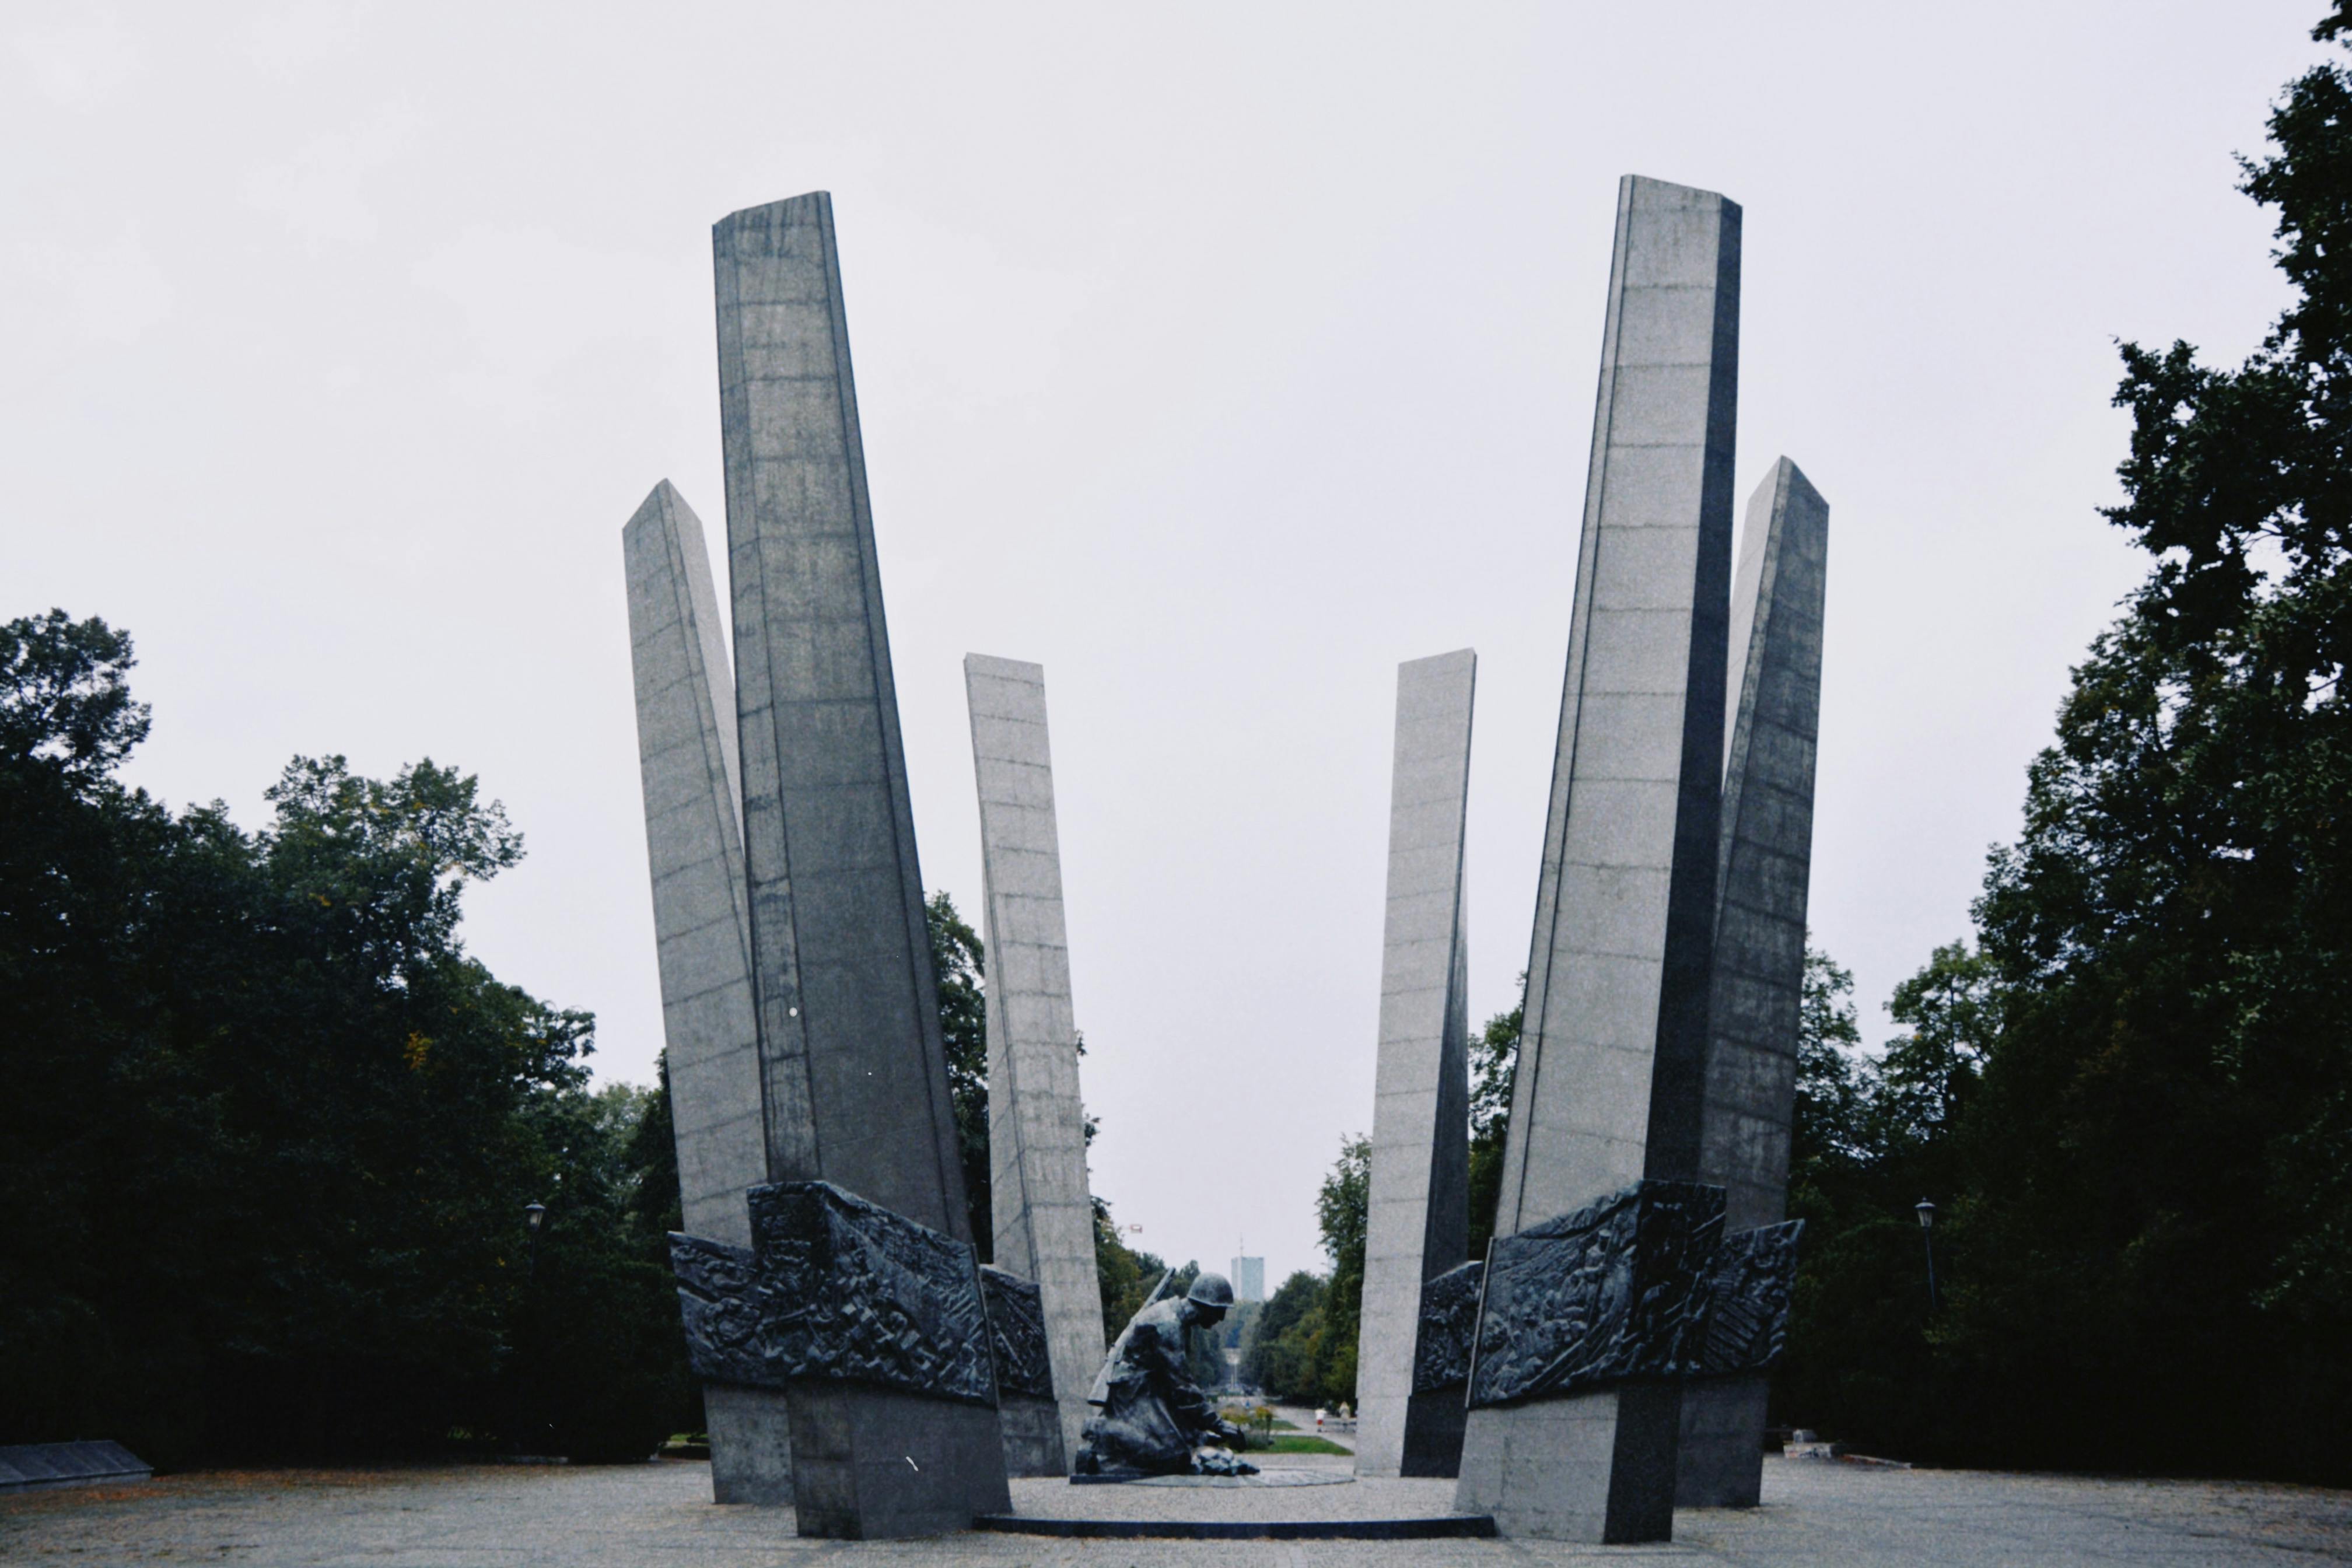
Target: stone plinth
[(685, 747), (1042, 1211), (1608, 1086), (855, 1075), (1418, 1214), (1774, 691)]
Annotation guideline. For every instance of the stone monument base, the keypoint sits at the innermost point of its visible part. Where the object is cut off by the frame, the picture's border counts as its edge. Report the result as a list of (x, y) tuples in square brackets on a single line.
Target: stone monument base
[(1596, 1466), (1721, 1463), (874, 1464), (750, 1446), (1433, 1423), (1305, 1502), (1032, 1435)]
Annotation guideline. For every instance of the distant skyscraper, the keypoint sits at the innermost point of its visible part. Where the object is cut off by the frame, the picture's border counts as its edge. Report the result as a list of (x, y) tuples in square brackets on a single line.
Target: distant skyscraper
[(1249, 1278)]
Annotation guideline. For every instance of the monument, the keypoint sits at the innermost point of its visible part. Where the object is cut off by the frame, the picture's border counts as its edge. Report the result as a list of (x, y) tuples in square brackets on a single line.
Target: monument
[(1150, 1419), (1418, 1215), (1041, 1209), (1774, 686), (853, 1077), (686, 748), (1607, 1091)]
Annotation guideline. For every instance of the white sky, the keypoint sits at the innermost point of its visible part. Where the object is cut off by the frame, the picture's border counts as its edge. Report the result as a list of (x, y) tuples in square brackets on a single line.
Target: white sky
[(1220, 358)]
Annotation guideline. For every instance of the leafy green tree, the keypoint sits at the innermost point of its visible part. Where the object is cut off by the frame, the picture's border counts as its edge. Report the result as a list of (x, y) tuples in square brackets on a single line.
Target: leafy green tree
[(1830, 1120), (2160, 1225), (962, 965), (1342, 1209), (1494, 1059), (1279, 1357), (270, 1128), (1858, 1360), (2133, 1103), (64, 697), (1953, 1008)]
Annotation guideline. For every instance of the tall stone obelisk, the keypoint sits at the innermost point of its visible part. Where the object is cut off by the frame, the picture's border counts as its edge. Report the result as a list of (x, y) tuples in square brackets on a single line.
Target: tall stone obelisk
[(1418, 1215), (686, 750), (1764, 868), (1608, 1086), (1042, 1211), (854, 1072)]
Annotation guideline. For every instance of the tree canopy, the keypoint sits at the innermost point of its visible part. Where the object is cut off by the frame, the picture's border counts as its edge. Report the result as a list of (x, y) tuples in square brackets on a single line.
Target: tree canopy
[(270, 1128)]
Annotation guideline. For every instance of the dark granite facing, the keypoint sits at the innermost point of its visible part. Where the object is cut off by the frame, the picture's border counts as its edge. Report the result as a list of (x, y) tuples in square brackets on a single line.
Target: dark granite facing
[(835, 1289), (1640, 1285), (1744, 1319), (1449, 1326), (1016, 1330)]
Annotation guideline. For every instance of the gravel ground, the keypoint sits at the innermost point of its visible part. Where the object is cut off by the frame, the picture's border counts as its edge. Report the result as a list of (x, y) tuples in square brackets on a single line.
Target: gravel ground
[(605, 1517)]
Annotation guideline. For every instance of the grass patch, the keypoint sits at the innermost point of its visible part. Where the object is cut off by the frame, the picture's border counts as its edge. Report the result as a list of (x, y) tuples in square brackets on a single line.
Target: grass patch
[(1296, 1443)]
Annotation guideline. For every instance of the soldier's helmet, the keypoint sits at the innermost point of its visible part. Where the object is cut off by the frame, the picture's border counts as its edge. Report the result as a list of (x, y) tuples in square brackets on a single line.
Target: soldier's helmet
[(1210, 1290)]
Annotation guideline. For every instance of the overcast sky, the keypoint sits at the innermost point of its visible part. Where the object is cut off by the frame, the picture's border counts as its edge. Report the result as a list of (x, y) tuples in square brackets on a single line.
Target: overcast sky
[(1217, 358)]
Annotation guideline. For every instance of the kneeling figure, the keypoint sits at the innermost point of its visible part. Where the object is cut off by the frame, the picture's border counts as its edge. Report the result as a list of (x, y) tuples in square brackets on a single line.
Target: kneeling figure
[(1153, 1419)]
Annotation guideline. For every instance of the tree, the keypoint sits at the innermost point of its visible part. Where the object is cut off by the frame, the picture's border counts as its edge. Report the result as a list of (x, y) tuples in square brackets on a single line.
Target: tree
[(1342, 1211), (1494, 1059), (962, 965), (2171, 1090), (2133, 1102), (1954, 1009), (65, 696), (270, 1128), (1280, 1354)]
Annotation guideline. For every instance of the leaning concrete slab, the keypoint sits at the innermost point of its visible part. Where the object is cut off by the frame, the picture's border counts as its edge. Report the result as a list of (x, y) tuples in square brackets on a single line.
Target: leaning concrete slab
[(50, 1466), (1418, 1220), (1607, 1089), (854, 1073), (1774, 686), (1044, 1213), (685, 750)]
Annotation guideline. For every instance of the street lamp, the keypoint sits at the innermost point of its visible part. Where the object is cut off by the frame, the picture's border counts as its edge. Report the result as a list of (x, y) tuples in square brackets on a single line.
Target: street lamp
[(524, 1396), (1926, 1213)]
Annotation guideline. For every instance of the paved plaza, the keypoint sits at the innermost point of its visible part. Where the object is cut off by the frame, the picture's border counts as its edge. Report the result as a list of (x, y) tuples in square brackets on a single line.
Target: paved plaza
[(591, 1517)]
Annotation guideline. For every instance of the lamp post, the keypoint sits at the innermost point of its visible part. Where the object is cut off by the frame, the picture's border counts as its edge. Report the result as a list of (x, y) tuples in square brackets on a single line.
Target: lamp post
[(534, 1215), (1926, 1213)]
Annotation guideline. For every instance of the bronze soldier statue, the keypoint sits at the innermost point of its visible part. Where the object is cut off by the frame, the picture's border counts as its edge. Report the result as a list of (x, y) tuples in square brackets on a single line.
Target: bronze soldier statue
[(1154, 1420)]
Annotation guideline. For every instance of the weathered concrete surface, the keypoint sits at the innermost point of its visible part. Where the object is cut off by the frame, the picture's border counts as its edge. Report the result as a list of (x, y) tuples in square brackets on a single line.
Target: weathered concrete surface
[(1608, 1087), (1764, 869), (1032, 1436), (686, 749), (623, 1516), (855, 1076), (1418, 1216), (1042, 1211)]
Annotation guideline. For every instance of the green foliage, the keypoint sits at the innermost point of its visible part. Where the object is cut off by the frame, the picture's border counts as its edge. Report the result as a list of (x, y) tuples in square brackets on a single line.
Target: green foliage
[(1342, 1210), (64, 697), (961, 964), (1953, 1008), (1124, 1275), (1494, 1060), (1280, 1355), (2133, 1104), (1303, 1345), (269, 1129)]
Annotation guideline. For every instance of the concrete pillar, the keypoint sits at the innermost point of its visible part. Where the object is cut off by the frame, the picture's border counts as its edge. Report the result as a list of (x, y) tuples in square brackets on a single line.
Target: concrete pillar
[(686, 749), (1042, 1211), (1608, 1084), (855, 1076), (1766, 862), (1418, 1219)]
